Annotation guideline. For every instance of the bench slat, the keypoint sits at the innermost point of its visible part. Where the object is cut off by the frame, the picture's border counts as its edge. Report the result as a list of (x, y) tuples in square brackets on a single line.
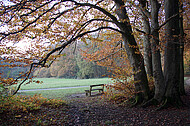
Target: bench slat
[(95, 89), (96, 85)]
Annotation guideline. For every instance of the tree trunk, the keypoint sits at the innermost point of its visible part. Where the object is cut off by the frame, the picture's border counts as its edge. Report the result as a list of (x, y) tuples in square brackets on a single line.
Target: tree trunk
[(134, 55), (156, 57), (181, 84), (172, 53), (146, 38)]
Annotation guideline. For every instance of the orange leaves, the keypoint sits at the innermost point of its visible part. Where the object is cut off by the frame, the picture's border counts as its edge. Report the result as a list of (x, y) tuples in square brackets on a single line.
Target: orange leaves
[(7, 82), (18, 104), (38, 82), (133, 46)]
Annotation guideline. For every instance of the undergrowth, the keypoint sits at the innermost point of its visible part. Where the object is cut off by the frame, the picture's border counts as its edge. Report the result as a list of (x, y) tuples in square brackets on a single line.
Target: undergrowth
[(122, 92), (17, 104)]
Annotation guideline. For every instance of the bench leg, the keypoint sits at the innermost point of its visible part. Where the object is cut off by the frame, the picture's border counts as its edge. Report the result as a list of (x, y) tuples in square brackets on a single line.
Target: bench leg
[(101, 91), (86, 93)]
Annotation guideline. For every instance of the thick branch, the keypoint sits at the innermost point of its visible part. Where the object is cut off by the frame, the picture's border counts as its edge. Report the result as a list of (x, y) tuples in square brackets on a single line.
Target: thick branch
[(98, 8), (79, 30)]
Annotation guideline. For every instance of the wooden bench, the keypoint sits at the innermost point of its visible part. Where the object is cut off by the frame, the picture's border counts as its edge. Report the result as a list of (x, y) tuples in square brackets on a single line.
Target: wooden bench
[(100, 89)]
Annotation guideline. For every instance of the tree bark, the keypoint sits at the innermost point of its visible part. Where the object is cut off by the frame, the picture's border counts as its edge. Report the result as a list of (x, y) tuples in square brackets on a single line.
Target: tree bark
[(156, 57), (172, 53), (181, 84), (134, 55), (146, 38)]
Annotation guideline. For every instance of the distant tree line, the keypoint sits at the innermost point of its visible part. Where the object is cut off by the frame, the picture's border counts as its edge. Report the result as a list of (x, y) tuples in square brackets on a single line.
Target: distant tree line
[(12, 72), (72, 65)]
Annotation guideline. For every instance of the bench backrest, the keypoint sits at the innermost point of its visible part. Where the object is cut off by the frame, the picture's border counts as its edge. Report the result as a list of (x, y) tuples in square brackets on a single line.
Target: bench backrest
[(96, 85)]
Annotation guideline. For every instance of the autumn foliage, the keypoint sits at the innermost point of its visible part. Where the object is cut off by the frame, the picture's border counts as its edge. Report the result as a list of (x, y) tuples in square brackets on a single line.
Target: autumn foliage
[(18, 104)]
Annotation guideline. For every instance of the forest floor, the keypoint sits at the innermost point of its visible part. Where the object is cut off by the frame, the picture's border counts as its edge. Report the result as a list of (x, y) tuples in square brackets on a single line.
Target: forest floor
[(93, 111), (87, 111)]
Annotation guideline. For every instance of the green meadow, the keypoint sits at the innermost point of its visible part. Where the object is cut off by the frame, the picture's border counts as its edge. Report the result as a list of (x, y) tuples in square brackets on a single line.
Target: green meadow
[(58, 83)]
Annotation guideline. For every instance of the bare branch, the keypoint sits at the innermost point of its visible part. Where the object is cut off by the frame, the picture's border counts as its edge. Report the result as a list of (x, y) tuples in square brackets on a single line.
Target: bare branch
[(173, 16)]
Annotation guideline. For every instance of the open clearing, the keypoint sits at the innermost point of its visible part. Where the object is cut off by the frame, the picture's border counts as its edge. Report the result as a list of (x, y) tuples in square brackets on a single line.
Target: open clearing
[(49, 83)]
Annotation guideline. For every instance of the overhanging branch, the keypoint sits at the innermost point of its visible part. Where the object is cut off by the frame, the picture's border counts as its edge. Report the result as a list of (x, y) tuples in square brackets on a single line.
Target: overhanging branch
[(98, 8)]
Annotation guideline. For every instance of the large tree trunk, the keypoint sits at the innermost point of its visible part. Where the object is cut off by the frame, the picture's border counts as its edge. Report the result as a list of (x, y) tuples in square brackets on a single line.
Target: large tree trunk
[(181, 85), (172, 53), (156, 57), (134, 55), (146, 39)]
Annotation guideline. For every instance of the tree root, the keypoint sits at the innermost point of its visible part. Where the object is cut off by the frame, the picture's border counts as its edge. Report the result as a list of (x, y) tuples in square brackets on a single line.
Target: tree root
[(165, 103), (150, 103), (171, 102), (138, 101), (135, 103)]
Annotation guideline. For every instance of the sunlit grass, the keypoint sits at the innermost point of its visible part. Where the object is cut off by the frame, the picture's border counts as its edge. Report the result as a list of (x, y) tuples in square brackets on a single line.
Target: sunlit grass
[(56, 94), (57, 82)]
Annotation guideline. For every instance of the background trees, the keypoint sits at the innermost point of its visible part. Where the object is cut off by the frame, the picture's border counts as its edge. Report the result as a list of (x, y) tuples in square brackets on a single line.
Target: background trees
[(73, 65), (54, 25)]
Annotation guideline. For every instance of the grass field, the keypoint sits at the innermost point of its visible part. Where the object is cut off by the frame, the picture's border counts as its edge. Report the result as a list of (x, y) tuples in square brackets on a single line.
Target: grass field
[(56, 83), (56, 94)]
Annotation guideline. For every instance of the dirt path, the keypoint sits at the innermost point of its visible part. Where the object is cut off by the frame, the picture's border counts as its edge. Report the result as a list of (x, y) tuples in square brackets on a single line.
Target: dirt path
[(95, 111)]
